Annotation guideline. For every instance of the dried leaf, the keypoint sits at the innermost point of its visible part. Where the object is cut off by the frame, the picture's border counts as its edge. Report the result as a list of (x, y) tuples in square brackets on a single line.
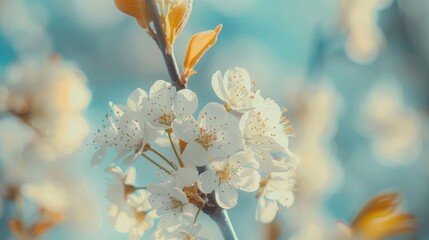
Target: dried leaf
[(198, 45)]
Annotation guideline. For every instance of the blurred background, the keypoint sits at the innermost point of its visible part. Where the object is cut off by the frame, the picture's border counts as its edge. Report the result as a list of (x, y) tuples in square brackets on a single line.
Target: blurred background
[(354, 76)]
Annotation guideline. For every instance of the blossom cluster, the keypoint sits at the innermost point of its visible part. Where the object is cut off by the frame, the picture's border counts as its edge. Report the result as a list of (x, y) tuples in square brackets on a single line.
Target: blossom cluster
[(240, 145)]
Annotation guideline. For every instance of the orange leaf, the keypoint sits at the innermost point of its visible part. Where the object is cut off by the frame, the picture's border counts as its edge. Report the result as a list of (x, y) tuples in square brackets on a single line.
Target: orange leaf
[(198, 45), (16, 226), (40, 228), (174, 20), (137, 9)]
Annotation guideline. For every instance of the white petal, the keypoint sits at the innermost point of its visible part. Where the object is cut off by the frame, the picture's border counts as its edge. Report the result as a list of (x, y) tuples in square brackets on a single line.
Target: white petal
[(226, 196), (186, 129), (185, 103), (189, 212), (266, 210), (178, 194), (136, 99), (241, 158), (207, 181), (130, 176), (213, 118), (241, 75), (218, 86), (123, 222), (185, 177), (195, 154), (99, 155), (249, 180), (228, 143), (287, 199)]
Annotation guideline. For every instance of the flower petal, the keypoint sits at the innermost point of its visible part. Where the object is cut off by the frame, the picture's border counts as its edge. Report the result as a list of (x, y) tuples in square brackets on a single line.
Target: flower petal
[(186, 129), (195, 154), (207, 181), (185, 103), (213, 118), (266, 210), (185, 177), (226, 196), (218, 86)]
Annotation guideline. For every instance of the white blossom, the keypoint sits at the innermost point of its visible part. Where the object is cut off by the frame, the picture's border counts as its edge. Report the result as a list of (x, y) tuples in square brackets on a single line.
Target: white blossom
[(136, 217), (235, 89), (171, 202), (122, 185), (208, 137), (165, 105), (226, 176), (135, 137), (275, 192)]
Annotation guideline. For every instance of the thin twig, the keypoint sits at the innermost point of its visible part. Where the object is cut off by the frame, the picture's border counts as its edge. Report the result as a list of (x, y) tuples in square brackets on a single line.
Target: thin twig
[(175, 151), (157, 164), (170, 60), (163, 158)]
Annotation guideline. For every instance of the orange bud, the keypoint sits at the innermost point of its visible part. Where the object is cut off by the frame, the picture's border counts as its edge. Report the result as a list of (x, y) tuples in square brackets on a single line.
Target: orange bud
[(198, 45)]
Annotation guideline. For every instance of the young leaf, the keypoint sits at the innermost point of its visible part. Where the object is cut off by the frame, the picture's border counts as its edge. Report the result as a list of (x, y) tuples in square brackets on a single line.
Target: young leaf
[(173, 21), (198, 45)]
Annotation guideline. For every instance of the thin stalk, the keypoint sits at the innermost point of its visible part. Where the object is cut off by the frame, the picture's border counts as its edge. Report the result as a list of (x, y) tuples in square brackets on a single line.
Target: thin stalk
[(175, 150), (163, 158), (157, 164), (169, 58)]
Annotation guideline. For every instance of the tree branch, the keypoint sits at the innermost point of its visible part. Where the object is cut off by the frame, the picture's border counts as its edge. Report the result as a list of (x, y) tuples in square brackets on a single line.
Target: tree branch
[(169, 59)]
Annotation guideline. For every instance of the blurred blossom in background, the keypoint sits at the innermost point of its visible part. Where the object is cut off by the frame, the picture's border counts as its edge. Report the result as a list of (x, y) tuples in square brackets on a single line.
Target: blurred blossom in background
[(354, 75)]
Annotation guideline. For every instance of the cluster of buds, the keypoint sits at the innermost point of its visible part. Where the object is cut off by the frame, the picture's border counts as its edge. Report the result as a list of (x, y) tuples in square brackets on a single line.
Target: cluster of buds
[(240, 145)]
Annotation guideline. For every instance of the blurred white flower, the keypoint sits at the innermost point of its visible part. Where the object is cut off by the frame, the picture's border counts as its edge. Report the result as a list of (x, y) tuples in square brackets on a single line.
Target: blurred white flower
[(274, 191), (49, 96), (136, 217), (226, 176), (122, 185), (210, 137), (235, 89), (394, 128), (359, 21), (165, 105)]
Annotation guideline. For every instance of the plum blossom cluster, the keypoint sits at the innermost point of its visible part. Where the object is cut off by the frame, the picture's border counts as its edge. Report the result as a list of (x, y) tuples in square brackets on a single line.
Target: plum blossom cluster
[(240, 144)]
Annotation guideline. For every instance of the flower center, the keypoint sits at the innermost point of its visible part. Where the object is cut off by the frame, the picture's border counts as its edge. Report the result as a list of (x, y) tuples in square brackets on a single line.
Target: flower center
[(128, 189), (176, 204), (140, 216), (205, 139), (166, 119)]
